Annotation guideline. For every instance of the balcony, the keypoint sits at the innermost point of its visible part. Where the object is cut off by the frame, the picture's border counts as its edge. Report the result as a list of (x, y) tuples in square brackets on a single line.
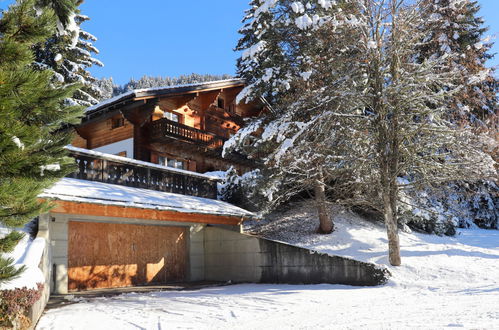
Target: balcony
[(164, 130), (97, 166)]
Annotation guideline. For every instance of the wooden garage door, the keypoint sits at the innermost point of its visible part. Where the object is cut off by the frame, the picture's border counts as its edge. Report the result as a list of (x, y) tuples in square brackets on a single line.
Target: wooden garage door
[(108, 255)]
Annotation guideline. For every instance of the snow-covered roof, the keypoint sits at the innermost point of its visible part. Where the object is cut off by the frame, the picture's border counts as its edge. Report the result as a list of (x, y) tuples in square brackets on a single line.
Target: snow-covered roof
[(83, 191), (164, 91)]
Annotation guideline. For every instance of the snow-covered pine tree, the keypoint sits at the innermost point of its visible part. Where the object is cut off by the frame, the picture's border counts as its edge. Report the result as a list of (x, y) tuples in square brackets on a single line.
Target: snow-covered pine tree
[(107, 88), (150, 81), (268, 48), (298, 139), (31, 116), (454, 26), (68, 53), (392, 106)]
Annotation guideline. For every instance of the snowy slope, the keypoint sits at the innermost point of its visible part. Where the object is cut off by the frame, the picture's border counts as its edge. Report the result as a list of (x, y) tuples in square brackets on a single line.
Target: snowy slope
[(443, 283)]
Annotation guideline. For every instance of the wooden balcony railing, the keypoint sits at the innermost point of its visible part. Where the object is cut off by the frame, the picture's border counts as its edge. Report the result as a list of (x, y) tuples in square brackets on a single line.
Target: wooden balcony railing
[(165, 128), (96, 166)]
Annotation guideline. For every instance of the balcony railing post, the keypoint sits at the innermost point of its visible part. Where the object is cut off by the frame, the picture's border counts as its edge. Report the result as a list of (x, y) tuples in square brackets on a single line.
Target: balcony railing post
[(184, 185), (104, 170)]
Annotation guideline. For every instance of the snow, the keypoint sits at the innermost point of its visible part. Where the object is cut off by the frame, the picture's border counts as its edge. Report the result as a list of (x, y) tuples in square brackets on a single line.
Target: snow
[(303, 22), (306, 75), (49, 167), (444, 282), (326, 4), (27, 252), (83, 191), (18, 142), (298, 7), (372, 44), (254, 50), (265, 6)]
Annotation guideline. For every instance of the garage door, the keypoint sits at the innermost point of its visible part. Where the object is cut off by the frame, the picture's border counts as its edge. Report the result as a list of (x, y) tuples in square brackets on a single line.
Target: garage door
[(108, 255)]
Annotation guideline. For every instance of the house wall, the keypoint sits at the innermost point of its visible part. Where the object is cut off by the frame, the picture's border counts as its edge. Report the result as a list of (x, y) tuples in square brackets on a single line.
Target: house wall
[(101, 133), (58, 227), (118, 147)]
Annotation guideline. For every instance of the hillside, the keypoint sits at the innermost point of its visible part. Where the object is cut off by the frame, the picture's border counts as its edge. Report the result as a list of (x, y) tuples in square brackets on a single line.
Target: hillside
[(470, 257)]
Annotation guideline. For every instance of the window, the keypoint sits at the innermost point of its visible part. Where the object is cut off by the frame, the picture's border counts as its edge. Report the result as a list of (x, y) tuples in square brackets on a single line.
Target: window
[(221, 103), (171, 116), (117, 122), (171, 162)]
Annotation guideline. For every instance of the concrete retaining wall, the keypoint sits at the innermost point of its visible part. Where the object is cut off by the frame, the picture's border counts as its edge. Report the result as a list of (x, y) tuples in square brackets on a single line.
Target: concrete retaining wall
[(242, 258)]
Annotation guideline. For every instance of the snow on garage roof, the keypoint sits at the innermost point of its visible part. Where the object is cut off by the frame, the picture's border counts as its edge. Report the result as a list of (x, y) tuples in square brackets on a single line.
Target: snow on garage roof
[(74, 190)]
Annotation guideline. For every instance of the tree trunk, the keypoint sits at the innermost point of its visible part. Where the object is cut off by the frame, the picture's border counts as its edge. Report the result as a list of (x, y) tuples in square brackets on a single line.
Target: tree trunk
[(392, 231), (325, 223)]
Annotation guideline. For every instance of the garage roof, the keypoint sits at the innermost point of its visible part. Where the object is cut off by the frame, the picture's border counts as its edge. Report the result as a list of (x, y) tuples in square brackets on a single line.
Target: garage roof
[(82, 191)]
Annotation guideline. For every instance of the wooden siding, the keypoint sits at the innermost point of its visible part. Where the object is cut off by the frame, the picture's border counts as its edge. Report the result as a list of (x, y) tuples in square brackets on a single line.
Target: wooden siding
[(137, 213), (79, 142), (109, 255), (101, 133)]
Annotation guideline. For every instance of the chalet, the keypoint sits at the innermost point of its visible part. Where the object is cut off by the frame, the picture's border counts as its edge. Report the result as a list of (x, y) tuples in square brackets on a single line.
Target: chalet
[(136, 209), (183, 127), (140, 208)]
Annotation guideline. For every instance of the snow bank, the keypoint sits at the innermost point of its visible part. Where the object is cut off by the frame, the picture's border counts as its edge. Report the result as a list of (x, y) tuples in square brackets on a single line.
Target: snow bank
[(28, 253)]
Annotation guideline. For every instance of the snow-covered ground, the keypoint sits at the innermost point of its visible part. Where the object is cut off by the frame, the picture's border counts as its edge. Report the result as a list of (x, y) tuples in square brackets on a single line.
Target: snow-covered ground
[(28, 253), (443, 283)]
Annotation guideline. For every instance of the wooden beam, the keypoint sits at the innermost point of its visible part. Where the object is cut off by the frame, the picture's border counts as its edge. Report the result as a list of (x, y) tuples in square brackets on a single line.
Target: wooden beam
[(78, 208), (207, 98), (141, 114), (231, 94), (180, 101)]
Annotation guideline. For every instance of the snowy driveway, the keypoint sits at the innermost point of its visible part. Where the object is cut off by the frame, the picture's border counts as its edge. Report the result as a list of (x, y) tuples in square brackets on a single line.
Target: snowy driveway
[(283, 306), (443, 283)]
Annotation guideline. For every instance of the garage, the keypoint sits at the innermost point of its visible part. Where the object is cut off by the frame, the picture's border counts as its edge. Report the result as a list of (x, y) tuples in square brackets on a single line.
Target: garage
[(111, 255)]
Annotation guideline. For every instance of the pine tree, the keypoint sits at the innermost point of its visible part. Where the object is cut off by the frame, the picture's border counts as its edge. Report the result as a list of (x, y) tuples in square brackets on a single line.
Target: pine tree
[(267, 50), (107, 88), (159, 81), (31, 116), (298, 142), (68, 53), (454, 26)]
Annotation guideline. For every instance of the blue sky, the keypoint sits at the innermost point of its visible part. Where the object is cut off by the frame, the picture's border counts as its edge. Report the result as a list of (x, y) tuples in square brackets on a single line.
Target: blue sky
[(171, 37), (164, 37)]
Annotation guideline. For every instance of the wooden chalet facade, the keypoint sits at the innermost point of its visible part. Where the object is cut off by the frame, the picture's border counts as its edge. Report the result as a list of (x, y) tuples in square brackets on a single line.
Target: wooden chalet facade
[(181, 126), (138, 208)]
